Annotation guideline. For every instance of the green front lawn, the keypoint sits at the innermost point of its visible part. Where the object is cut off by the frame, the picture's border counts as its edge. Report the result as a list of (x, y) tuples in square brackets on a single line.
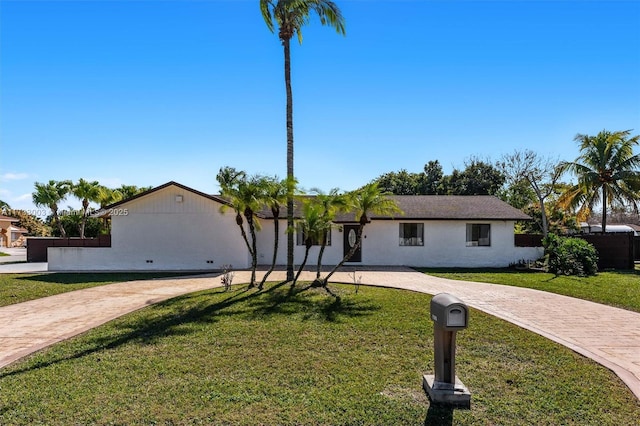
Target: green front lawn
[(4, 254), (620, 289), (16, 288), (247, 358)]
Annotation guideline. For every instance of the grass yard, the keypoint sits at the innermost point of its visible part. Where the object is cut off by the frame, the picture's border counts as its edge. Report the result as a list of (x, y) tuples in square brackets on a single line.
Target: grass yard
[(281, 357), (620, 289), (4, 254), (16, 288)]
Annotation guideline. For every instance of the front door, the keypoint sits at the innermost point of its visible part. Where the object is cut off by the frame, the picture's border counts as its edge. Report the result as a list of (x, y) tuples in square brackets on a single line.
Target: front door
[(350, 236)]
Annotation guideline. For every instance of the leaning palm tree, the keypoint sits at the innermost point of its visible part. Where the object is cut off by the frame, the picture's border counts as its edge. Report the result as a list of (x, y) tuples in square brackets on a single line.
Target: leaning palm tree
[(607, 172), (246, 197), (275, 196), (290, 16), (313, 226), (87, 192), (367, 200), (50, 195), (331, 204)]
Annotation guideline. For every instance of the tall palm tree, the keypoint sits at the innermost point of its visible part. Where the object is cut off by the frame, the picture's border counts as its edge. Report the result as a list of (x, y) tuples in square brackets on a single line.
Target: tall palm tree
[(607, 172), (275, 196), (87, 192), (50, 195), (290, 16), (367, 200)]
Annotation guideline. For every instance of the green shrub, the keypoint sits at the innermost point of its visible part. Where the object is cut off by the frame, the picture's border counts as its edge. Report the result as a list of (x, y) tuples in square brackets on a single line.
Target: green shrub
[(570, 256)]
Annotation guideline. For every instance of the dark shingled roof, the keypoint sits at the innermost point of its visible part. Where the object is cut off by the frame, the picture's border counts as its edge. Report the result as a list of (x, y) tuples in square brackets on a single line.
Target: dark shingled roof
[(414, 207), (438, 207)]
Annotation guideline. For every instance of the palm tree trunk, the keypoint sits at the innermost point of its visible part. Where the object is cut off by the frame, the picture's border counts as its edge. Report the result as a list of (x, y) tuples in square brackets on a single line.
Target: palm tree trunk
[(604, 209), (253, 250), (287, 81), (274, 259), (320, 254), (302, 265), (85, 207), (56, 219), (246, 240), (353, 249)]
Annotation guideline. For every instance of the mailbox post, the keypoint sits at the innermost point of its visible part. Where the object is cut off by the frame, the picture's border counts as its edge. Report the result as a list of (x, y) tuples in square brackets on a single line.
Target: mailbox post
[(449, 314)]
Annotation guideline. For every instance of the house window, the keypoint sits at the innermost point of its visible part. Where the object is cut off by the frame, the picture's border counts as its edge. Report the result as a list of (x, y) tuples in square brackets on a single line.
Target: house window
[(411, 234), (478, 234), (301, 237)]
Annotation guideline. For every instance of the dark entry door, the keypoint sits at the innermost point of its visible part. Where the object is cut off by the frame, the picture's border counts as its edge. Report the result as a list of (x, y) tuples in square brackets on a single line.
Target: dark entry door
[(350, 236)]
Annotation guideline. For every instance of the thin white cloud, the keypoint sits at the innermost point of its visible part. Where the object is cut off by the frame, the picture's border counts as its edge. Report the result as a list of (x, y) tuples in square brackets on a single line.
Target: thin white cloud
[(14, 176), (23, 197)]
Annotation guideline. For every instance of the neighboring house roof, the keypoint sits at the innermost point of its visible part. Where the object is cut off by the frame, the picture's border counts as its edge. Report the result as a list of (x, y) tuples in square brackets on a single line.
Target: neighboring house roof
[(8, 218), (18, 229), (105, 212)]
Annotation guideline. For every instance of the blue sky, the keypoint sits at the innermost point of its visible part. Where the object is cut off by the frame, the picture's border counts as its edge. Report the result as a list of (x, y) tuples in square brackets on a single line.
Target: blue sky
[(144, 92)]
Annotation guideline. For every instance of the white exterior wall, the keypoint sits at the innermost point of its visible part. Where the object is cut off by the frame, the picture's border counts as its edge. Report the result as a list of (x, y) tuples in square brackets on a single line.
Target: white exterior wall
[(332, 254), (444, 246), (175, 236)]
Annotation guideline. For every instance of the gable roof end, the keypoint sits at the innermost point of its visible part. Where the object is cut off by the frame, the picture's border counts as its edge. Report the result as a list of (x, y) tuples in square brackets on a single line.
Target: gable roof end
[(105, 212)]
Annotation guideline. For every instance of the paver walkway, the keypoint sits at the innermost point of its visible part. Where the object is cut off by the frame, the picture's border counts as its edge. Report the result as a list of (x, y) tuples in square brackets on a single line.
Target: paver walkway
[(610, 336)]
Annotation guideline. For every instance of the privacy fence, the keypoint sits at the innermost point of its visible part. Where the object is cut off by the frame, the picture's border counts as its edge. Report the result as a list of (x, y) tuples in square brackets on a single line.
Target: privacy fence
[(37, 247), (615, 250)]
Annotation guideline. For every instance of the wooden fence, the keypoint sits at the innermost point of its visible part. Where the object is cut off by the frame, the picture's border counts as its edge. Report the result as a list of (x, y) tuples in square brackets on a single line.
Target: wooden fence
[(37, 246), (615, 250)]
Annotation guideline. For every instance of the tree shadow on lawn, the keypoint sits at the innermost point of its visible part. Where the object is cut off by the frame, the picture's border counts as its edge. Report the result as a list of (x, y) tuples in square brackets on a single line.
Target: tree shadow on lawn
[(168, 318)]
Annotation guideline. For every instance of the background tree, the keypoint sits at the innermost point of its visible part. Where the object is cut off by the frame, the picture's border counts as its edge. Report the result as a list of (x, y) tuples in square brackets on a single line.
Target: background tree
[(34, 225), (400, 183), (289, 16), (607, 172), (50, 195), (478, 178), (128, 191), (72, 222), (540, 173), (431, 180), (87, 192), (365, 201), (4, 206)]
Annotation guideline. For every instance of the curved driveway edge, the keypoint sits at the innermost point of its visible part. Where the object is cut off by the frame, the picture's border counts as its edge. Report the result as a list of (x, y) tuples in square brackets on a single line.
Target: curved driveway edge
[(609, 336)]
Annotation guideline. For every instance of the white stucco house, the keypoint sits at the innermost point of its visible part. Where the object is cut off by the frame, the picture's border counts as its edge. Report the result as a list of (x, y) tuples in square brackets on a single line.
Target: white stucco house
[(174, 227)]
